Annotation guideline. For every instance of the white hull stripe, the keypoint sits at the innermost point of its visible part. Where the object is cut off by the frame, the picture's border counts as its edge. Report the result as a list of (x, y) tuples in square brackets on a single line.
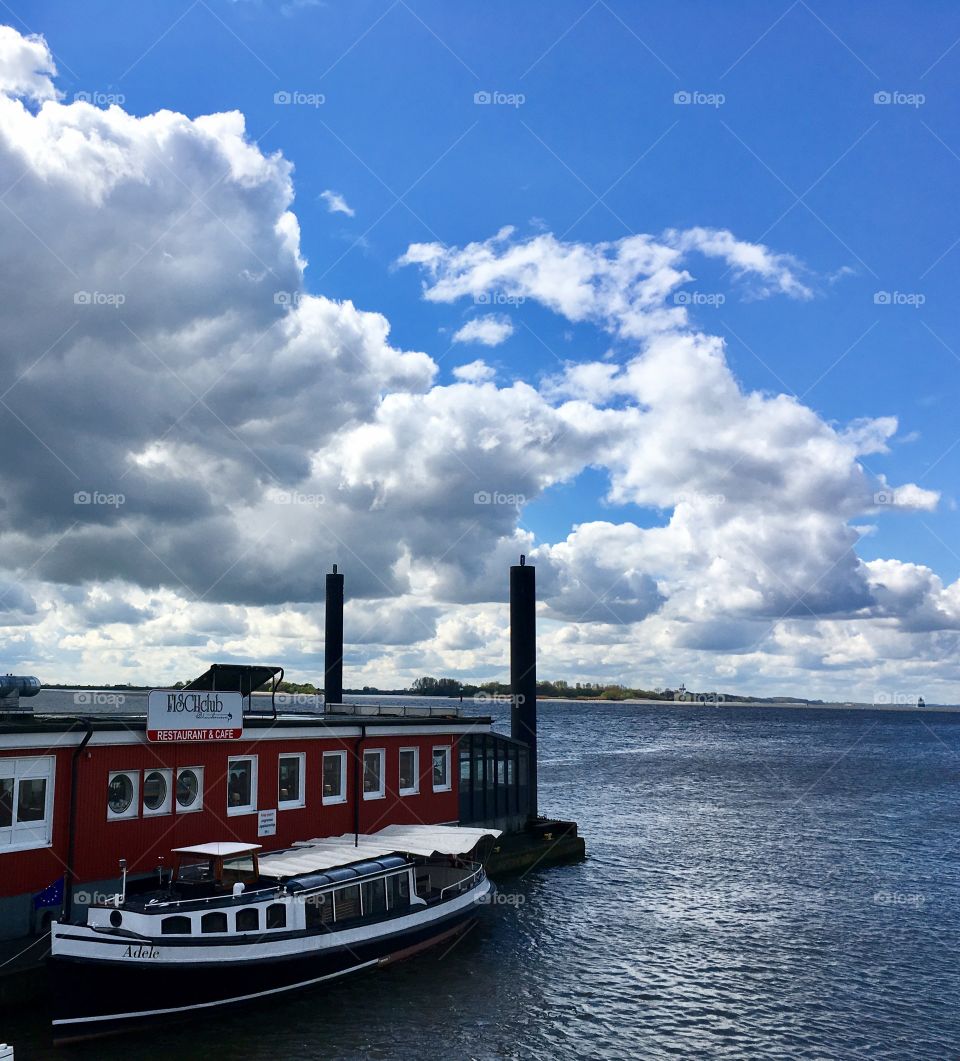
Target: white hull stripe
[(219, 1002)]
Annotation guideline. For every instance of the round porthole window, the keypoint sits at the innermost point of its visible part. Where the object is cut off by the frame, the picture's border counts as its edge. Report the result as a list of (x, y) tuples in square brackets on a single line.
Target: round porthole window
[(154, 790), (120, 793), (116, 918), (188, 788)]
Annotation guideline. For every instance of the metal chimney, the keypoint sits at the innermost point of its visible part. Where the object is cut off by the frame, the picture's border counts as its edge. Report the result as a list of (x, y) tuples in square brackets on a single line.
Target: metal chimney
[(523, 665), (333, 641)]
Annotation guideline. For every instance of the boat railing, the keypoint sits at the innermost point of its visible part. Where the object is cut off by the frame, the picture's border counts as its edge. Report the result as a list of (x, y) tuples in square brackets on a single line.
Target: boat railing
[(464, 884), (155, 906)]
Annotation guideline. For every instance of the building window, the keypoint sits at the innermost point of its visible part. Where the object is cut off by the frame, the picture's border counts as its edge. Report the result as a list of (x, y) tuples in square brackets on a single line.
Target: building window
[(122, 794), (242, 785), (373, 787), (26, 802), (215, 922), (157, 792), (441, 769), (189, 788), (409, 771), (334, 777), (276, 916), (290, 786)]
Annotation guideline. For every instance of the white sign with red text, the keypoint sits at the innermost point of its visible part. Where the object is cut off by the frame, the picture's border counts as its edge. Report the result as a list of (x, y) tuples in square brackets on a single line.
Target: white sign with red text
[(194, 715)]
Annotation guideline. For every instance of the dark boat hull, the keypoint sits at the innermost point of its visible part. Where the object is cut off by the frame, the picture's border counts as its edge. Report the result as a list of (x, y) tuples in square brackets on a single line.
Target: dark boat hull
[(95, 998)]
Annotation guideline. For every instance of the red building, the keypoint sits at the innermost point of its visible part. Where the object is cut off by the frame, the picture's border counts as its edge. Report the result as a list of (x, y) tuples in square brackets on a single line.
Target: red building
[(77, 794)]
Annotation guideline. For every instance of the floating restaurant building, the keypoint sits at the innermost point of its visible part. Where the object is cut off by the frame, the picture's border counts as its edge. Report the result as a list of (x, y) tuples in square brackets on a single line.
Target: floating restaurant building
[(85, 796)]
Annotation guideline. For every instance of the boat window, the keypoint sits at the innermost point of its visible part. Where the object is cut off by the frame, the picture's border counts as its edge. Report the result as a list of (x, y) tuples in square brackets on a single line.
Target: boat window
[(216, 922), (441, 769), (334, 772), (398, 890), (373, 781), (241, 785), (156, 792), (374, 898), (409, 771), (190, 788), (248, 919), (276, 915), (195, 868), (122, 794), (347, 902), (175, 926), (319, 909), (290, 781)]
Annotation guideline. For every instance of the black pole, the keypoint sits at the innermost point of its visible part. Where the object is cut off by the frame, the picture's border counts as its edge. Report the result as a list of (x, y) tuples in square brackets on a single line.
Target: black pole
[(333, 641), (66, 905), (523, 666)]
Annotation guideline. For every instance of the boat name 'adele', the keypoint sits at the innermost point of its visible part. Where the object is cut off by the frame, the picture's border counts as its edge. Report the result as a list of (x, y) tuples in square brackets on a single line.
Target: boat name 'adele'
[(141, 950)]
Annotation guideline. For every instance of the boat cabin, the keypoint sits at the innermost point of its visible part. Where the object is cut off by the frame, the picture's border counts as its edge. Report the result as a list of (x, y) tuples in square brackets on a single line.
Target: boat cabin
[(218, 867)]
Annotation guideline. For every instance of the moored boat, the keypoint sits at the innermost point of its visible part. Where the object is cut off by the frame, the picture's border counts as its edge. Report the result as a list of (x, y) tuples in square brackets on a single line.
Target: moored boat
[(232, 925)]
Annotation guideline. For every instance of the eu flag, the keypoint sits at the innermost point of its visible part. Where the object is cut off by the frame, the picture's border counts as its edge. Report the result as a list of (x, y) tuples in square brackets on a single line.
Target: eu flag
[(50, 896)]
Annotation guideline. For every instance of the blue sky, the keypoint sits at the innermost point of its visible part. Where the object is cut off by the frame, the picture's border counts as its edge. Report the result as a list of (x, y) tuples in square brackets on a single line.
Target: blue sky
[(824, 132), (876, 182)]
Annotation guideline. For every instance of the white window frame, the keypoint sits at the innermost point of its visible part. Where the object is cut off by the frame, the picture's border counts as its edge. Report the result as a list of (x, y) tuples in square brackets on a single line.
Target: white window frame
[(342, 796), (25, 836), (382, 791), (301, 800), (133, 811), (415, 790), (445, 748), (246, 808), (167, 806), (198, 802)]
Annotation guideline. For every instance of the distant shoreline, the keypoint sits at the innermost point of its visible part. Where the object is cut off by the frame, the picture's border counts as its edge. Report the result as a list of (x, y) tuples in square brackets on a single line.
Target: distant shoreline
[(759, 704)]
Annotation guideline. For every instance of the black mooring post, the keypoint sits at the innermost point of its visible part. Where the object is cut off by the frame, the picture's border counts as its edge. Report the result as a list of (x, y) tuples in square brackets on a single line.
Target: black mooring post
[(333, 641), (523, 666)]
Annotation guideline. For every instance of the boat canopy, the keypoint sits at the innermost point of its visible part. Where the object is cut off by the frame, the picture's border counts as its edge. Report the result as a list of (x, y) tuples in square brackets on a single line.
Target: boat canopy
[(217, 850), (310, 856)]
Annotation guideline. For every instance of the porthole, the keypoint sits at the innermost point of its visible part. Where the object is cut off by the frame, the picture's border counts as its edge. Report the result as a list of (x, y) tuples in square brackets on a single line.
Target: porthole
[(121, 795), (154, 790), (116, 918), (189, 789)]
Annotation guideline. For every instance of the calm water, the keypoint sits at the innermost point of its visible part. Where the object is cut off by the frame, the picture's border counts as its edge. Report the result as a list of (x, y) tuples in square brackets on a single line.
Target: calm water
[(760, 884)]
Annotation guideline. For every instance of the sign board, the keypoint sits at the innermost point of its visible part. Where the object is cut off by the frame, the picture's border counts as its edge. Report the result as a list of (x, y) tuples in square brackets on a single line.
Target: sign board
[(194, 715), (266, 823)]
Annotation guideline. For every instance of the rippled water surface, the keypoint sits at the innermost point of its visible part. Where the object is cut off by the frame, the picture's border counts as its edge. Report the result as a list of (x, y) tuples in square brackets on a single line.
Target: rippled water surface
[(760, 883)]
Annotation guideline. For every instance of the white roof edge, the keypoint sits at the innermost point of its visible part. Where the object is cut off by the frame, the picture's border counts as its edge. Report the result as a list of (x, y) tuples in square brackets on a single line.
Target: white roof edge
[(217, 850), (330, 852)]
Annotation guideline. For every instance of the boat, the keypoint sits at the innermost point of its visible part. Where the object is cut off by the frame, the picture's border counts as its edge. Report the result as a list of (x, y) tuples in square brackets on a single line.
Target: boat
[(231, 925)]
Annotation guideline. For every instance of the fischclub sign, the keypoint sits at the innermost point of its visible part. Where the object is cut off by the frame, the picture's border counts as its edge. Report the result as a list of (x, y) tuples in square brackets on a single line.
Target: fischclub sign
[(194, 715)]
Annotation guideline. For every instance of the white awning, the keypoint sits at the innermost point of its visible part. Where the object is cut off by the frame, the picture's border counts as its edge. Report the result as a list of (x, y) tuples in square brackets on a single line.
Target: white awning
[(217, 850), (313, 856)]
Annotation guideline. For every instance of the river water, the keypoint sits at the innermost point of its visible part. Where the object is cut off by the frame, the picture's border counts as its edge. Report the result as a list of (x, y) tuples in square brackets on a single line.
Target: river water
[(763, 883)]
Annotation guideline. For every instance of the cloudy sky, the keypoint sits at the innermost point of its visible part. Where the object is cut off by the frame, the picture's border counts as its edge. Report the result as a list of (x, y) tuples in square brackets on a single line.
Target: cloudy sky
[(666, 303)]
